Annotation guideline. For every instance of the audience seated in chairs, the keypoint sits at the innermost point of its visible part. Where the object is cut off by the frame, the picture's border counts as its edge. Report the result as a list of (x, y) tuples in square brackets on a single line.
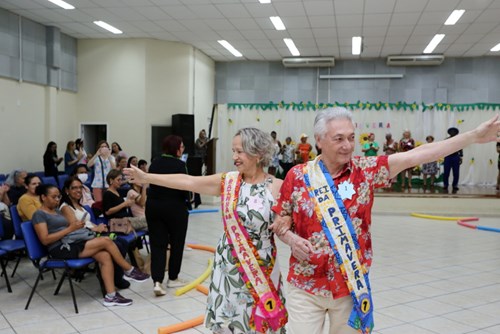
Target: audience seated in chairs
[(30, 201), (70, 240), (72, 209)]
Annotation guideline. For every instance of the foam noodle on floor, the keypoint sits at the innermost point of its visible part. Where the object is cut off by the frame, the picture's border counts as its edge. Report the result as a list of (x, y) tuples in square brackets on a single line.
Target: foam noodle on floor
[(202, 247), (197, 281), (182, 325)]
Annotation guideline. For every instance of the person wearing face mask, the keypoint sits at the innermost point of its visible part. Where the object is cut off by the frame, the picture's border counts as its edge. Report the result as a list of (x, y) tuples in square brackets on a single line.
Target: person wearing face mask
[(102, 162), (82, 172)]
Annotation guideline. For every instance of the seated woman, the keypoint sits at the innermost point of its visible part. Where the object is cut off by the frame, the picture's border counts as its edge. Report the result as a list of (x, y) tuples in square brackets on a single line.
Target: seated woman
[(82, 173), (138, 193), (16, 186), (53, 230), (72, 209), (113, 204), (29, 202)]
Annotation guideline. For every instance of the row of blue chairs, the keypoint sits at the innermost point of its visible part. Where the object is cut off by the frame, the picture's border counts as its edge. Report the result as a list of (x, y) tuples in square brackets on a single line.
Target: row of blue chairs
[(45, 179)]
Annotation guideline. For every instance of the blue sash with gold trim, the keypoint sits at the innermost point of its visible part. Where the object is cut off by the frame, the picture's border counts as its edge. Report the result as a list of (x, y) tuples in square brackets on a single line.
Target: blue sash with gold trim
[(339, 230)]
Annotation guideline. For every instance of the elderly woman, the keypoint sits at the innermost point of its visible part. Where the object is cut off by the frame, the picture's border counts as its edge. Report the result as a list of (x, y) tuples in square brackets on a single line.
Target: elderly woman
[(17, 187), (245, 274), (70, 239)]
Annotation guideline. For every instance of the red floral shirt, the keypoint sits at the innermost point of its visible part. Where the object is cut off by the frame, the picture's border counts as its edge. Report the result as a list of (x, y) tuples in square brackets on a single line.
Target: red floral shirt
[(321, 274)]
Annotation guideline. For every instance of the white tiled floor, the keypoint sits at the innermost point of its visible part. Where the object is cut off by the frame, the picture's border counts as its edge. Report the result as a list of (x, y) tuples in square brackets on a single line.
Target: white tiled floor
[(428, 276)]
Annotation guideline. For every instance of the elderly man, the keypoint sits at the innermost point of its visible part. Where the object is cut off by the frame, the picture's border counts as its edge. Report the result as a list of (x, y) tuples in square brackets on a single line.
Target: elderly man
[(329, 201)]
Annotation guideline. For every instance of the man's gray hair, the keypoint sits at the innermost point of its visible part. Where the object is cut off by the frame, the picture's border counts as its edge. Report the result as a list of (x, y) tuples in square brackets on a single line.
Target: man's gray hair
[(327, 115), (257, 143)]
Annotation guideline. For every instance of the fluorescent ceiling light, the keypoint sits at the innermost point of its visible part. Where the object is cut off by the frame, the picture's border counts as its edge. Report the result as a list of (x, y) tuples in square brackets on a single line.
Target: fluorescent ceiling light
[(433, 43), (230, 48), (291, 46), (62, 4), (265, 1), (361, 76), (454, 17), (496, 48), (108, 27), (356, 45), (278, 24)]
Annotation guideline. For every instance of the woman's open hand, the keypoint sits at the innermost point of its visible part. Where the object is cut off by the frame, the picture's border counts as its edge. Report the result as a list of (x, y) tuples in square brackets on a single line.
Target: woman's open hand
[(134, 175)]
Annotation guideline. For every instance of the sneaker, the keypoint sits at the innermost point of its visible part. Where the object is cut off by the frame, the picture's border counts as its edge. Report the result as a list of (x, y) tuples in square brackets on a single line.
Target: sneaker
[(117, 300), (176, 283), (159, 290), (136, 275)]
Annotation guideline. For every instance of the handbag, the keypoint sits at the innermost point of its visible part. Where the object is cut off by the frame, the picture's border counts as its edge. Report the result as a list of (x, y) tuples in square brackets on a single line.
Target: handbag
[(121, 226), (138, 223), (81, 234)]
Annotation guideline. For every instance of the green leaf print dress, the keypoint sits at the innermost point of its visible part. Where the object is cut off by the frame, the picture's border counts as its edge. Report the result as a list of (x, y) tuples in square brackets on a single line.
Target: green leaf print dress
[(229, 302)]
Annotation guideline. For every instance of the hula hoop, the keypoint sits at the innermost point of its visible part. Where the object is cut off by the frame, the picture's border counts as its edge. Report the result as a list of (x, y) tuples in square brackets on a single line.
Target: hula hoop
[(464, 223), (420, 215)]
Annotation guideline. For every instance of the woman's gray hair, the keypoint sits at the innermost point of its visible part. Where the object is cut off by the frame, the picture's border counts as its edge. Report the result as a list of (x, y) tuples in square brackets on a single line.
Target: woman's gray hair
[(257, 143), (327, 115), (11, 179)]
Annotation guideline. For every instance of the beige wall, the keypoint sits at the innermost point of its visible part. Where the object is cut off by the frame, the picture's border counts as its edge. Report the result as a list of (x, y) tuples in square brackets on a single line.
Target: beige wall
[(134, 84), (31, 116), (128, 84)]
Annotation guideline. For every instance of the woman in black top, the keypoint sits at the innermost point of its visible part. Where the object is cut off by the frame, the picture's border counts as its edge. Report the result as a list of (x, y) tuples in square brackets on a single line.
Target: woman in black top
[(167, 216), (50, 160)]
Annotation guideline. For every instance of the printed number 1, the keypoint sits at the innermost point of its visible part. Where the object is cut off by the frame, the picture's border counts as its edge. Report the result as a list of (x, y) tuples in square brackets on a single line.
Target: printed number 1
[(365, 306), (270, 305)]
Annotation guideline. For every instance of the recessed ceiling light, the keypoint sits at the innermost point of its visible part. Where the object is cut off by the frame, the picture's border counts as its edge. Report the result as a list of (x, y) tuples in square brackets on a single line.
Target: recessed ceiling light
[(433, 43), (265, 1), (291, 46), (108, 27), (230, 48), (278, 24), (454, 17), (62, 4), (356, 45), (496, 48)]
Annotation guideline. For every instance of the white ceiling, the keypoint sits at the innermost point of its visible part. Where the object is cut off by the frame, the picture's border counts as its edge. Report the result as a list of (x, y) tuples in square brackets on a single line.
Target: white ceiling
[(318, 27)]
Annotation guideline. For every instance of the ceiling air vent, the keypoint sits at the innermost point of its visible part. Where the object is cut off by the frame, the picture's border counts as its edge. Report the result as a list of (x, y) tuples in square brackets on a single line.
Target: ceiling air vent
[(309, 62), (415, 60)]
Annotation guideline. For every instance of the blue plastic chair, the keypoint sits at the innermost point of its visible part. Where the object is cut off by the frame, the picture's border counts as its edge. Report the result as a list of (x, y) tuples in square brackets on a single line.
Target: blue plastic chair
[(3, 265), (40, 174), (16, 221), (12, 247), (39, 255), (61, 178), (49, 180)]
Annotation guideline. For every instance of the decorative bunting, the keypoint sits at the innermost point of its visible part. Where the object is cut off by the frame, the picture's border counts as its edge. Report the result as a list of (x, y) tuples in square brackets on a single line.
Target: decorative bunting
[(400, 105)]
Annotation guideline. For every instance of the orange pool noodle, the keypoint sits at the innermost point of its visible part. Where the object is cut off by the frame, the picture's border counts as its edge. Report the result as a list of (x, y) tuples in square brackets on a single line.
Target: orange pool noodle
[(182, 325), (202, 247)]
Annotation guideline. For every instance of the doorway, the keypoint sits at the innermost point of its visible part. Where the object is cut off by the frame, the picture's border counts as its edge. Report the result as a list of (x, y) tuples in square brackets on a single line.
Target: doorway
[(92, 134)]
